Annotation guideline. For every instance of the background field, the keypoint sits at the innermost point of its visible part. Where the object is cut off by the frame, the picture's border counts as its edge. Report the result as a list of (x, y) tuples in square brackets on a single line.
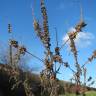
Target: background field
[(89, 93)]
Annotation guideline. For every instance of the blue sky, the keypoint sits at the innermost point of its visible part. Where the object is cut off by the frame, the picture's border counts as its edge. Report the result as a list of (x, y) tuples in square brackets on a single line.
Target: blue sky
[(62, 14)]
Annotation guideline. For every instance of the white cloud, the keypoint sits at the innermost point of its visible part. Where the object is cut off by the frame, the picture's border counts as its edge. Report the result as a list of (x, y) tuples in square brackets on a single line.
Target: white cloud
[(83, 40)]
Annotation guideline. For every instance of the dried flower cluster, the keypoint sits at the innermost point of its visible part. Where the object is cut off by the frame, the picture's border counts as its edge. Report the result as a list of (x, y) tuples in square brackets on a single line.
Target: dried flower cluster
[(15, 44), (45, 24), (80, 26), (72, 44), (43, 34)]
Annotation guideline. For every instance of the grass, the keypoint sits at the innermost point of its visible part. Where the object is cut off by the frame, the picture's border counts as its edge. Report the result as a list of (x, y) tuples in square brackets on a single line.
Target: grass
[(89, 93)]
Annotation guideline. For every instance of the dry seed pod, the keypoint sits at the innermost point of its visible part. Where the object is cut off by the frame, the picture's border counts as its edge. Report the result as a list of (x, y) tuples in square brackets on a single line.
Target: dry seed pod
[(36, 25), (14, 43), (93, 56), (57, 58), (37, 28), (66, 64), (9, 28), (48, 65), (90, 59), (72, 45), (57, 51), (22, 50), (89, 79), (80, 26)]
